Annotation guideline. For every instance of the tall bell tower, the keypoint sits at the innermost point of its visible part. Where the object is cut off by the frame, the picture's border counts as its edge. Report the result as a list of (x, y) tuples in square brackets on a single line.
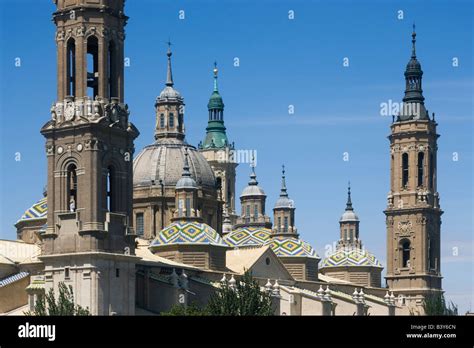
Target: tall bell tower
[(413, 214), (89, 240)]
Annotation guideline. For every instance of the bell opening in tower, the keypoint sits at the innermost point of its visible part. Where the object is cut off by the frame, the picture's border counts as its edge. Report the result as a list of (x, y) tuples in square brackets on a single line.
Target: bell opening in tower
[(71, 67), (92, 67)]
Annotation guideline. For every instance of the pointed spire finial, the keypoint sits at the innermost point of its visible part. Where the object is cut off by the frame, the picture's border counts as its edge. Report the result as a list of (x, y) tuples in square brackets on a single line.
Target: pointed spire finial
[(253, 176), (349, 201), (215, 76), (283, 183), (186, 172), (169, 74), (413, 40)]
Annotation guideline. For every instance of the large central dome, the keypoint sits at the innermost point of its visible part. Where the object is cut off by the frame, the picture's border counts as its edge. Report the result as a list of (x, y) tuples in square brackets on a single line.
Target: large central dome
[(164, 160)]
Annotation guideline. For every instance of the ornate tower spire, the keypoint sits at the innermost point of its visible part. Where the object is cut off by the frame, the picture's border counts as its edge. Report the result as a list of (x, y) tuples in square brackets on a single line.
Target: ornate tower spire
[(218, 151), (283, 192), (253, 177), (215, 77), (349, 224), (413, 100), (169, 73), (252, 201), (186, 195), (216, 137), (169, 108), (349, 201), (284, 212), (413, 41)]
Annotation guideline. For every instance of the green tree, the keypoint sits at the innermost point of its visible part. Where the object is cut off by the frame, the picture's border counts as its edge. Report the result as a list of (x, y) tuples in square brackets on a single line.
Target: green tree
[(180, 310), (64, 305), (245, 299), (435, 304)]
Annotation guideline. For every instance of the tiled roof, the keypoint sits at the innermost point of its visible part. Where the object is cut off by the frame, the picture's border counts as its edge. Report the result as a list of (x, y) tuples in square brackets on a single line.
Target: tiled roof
[(248, 237), (292, 247), (39, 210), (13, 278), (187, 233), (350, 257)]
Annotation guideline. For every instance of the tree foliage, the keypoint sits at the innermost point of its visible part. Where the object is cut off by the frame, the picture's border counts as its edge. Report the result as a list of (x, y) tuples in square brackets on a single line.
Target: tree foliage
[(181, 310), (245, 299), (64, 305), (435, 304)]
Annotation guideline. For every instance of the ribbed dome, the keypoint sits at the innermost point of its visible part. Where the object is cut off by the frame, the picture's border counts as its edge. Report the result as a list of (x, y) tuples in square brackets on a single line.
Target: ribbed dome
[(284, 202), (164, 160), (215, 101), (349, 215), (414, 64), (168, 93), (252, 189)]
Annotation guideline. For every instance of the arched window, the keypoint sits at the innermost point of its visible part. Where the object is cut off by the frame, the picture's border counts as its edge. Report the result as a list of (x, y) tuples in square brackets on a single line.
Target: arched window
[(279, 224), (345, 234), (188, 206), (71, 188), (255, 212), (180, 122), (404, 170), (171, 121), (180, 207), (247, 213), (406, 248), (92, 66), (351, 234), (285, 227), (421, 165), (140, 224), (71, 67), (162, 121), (112, 70), (111, 189)]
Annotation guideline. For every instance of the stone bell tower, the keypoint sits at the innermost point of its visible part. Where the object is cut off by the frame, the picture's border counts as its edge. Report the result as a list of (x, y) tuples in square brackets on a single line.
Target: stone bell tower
[(413, 213), (89, 240)]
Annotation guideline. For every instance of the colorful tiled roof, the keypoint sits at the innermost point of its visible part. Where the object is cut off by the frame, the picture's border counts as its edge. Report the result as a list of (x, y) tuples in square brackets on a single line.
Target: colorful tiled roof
[(292, 247), (38, 210), (190, 233), (351, 257), (248, 237), (13, 278)]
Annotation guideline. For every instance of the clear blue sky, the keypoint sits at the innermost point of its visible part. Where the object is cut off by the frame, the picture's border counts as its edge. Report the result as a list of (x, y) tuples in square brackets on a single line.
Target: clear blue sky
[(282, 62)]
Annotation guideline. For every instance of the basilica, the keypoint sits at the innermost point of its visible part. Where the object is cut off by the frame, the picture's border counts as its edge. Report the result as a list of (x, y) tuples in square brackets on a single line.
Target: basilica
[(136, 234)]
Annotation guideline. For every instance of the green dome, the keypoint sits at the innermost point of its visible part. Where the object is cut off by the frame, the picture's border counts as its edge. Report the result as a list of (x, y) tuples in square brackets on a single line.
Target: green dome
[(215, 136), (215, 101)]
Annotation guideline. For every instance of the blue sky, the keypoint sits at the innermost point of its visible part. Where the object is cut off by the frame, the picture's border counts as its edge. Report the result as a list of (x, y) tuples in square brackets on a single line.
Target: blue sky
[(283, 62)]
